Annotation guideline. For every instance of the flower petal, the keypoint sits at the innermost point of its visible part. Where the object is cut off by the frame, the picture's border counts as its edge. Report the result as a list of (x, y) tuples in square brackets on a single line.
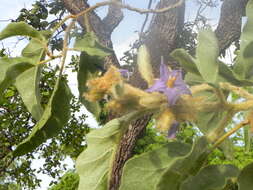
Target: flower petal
[(172, 94), (159, 86), (173, 129), (124, 72), (164, 72)]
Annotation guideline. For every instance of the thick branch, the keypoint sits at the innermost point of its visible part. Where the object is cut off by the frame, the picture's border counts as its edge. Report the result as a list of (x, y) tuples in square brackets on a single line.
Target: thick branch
[(77, 6), (113, 17), (163, 34), (98, 26), (229, 27)]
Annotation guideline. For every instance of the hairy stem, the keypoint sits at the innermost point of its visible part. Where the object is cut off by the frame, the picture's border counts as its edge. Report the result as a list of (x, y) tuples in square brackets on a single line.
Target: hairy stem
[(229, 133)]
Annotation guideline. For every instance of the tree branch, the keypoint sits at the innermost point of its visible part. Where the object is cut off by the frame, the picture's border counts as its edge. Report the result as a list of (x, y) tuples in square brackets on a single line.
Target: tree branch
[(229, 27), (77, 6), (113, 17)]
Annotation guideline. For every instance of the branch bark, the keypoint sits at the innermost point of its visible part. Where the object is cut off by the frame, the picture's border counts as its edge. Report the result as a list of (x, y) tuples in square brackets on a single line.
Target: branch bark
[(113, 17), (229, 27), (102, 30)]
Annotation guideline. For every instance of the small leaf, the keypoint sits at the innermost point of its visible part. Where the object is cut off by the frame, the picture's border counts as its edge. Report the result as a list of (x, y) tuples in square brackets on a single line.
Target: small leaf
[(10, 69), (185, 60), (20, 29), (207, 54), (89, 43), (144, 65), (245, 181), (211, 177), (88, 68), (55, 116)]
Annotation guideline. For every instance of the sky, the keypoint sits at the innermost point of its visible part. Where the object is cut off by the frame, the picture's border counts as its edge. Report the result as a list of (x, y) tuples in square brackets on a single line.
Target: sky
[(125, 34)]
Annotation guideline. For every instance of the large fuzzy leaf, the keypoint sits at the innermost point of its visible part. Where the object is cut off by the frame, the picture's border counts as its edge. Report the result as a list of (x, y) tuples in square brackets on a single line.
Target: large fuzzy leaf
[(207, 54), (88, 69), (245, 178), (187, 165), (228, 75), (89, 43), (185, 60), (20, 29), (193, 76), (244, 61), (94, 164), (167, 165), (11, 68), (34, 50), (27, 83), (211, 177), (144, 171), (55, 116), (208, 121)]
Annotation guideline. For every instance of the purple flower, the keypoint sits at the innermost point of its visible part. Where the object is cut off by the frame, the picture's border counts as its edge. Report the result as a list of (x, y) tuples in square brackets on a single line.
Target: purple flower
[(173, 129), (170, 83), (125, 73)]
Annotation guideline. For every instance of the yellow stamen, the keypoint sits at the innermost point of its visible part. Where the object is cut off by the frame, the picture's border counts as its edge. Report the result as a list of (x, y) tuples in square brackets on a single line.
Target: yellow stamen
[(170, 82)]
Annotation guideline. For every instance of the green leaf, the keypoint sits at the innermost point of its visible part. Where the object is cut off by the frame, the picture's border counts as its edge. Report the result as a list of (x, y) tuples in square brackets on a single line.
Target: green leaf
[(55, 116), (193, 79), (207, 54), (187, 165), (244, 61), (90, 44), (185, 60), (145, 171), (170, 179), (10, 69), (20, 29), (245, 181), (211, 177), (168, 165), (207, 121), (88, 68), (9, 93), (27, 85), (248, 51), (94, 164), (34, 50), (225, 75)]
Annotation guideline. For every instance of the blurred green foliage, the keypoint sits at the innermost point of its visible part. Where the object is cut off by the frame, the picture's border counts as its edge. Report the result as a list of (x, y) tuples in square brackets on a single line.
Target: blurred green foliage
[(69, 181)]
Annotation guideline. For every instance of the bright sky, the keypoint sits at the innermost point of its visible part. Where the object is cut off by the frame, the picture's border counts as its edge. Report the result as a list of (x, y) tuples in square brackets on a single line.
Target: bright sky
[(124, 34)]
